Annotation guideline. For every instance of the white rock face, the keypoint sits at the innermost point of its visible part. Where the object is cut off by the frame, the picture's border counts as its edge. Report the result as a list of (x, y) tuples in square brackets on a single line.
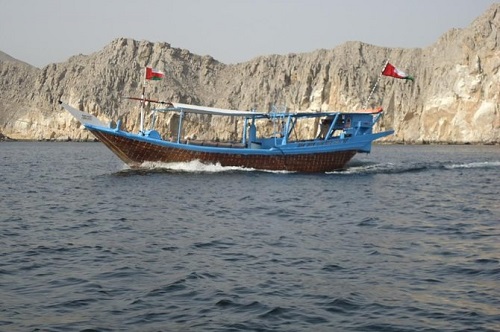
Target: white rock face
[(455, 97)]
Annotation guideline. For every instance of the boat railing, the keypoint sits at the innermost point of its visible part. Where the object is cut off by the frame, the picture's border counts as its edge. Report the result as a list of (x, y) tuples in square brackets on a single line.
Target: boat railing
[(210, 143)]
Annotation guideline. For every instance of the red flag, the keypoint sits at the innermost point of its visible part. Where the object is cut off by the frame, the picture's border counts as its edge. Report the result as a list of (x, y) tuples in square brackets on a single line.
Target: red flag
[(392, 71), (154, 75)]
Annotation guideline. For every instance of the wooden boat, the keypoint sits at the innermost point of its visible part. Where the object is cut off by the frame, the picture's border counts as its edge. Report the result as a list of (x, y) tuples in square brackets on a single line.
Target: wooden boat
[(338, 138)]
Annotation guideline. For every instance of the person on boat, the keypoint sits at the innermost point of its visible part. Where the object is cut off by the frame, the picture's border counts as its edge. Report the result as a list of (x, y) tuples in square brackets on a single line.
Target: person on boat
[(324, 125), (347, 122), (282, 131)]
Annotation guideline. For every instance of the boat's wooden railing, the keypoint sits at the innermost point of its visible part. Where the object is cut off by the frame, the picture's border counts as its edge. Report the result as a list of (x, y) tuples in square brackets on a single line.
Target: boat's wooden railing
[(237, 145)]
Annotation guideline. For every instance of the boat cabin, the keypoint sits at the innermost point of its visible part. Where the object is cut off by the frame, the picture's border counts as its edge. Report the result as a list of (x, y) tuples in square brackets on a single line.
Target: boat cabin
[(274, 129)]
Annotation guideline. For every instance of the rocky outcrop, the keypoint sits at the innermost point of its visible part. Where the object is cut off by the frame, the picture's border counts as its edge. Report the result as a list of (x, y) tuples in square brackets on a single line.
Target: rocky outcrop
[(455, 97)]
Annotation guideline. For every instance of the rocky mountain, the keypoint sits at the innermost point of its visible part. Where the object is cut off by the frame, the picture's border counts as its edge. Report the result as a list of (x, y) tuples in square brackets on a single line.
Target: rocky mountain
[(455, 97)]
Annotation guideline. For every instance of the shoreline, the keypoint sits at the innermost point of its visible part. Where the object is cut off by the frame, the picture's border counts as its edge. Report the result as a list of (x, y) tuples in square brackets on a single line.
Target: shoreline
[(5, 139)]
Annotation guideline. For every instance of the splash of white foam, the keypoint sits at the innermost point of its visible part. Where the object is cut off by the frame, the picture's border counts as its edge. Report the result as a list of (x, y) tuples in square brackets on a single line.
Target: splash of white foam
[(483, 164), (194, 166), (365, 169)]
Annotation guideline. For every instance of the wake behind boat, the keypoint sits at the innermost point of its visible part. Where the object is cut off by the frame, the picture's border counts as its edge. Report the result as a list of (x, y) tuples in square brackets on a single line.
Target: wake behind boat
[(338, 138)]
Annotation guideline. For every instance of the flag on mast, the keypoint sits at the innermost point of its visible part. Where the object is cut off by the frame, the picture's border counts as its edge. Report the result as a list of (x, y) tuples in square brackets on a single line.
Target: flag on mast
[(392, 71), (152, 74)]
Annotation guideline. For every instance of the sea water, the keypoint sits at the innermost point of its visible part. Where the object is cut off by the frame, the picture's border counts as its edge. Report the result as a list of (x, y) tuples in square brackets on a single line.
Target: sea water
[(407, 238)]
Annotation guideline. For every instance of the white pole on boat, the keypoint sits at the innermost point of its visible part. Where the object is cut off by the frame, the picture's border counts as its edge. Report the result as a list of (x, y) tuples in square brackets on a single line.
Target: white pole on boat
[(375, 85), (143, 101)]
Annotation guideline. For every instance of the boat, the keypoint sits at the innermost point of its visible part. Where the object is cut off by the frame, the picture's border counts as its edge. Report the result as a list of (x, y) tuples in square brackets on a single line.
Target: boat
[(338, 138)]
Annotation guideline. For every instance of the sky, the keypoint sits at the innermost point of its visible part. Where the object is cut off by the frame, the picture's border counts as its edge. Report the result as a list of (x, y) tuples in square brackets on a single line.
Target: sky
[(41, 32)]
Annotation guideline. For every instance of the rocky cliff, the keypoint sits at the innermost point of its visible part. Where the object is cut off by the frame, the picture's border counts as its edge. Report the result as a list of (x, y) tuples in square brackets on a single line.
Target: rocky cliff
[(455, 97)]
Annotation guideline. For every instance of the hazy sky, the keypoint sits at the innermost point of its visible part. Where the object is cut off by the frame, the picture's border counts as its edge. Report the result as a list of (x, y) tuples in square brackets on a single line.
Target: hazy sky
[(40, 32)]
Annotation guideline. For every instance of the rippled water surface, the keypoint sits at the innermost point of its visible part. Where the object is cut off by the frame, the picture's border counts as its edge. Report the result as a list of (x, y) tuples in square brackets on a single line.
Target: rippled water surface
[(406, 239)]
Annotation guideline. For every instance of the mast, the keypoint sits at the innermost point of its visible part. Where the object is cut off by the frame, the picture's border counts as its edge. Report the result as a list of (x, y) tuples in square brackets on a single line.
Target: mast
[(375, 85), (143, 101)]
